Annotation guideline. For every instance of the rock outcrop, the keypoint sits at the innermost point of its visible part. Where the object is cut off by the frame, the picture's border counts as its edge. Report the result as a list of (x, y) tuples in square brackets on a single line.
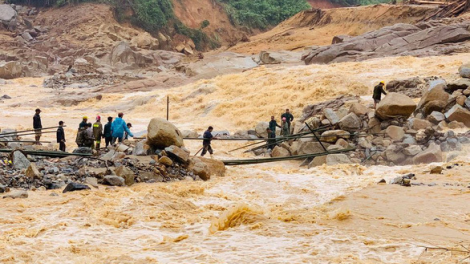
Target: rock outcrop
[(399, 39)]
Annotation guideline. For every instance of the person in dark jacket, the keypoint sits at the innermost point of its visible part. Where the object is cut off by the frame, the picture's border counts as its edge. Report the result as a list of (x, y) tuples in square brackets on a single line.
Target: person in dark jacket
[(108, 133), (83, 123), (378, 91), (37, 125), (206, 143), (285, 128), (271, 139), (61, 136), (289, 118), (273, 124)]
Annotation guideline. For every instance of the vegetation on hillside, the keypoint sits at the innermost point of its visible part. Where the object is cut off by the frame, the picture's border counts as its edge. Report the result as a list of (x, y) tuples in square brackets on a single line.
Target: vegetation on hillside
[(262, 13)]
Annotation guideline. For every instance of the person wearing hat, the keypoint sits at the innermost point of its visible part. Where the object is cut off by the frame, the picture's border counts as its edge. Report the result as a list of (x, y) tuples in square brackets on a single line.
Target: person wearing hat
[(118, 128), (61, 136), (37, 125), (98, 132), (126, 135), (378, 91), (83, 123)]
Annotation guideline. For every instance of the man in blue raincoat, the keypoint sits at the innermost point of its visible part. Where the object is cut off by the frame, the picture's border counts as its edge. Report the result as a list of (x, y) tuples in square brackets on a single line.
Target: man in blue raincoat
[(118, 128)]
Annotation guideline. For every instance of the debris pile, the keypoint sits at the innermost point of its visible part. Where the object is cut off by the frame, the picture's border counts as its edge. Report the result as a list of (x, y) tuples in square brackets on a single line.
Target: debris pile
[(155, 159)]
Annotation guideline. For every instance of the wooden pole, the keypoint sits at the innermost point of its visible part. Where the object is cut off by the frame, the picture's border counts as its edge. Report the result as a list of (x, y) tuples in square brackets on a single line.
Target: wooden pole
[(168, 108)]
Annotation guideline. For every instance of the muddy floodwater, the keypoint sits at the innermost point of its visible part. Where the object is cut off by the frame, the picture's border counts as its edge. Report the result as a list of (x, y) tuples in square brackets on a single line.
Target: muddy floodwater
[(258, 214), (269, 213)]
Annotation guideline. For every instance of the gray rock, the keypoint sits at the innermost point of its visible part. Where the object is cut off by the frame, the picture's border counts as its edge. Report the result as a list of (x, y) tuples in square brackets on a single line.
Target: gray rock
[(26, 36), (179, 154), (20, 162), (3, 188), (436, 117), (280, 152), (17, 195), (364, 143), (10, 70), (139, 149), (114, 180), (7, 13), (395, 155), (464, 70), (460, 84), (395, 132), (331, 115), (350, 122), (310, 148), (412, 150), (410, 140)]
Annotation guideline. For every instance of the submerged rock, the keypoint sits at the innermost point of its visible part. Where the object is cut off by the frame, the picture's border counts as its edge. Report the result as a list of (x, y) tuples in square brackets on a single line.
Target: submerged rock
[(73, 186)]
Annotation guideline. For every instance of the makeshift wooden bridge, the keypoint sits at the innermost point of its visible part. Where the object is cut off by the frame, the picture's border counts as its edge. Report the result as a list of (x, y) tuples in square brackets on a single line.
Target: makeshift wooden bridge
[(275, 141)]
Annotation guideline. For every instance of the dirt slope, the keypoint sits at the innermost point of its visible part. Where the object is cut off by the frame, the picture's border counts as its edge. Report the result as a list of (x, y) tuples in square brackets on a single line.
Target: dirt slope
[(318, 27), (193, 13)]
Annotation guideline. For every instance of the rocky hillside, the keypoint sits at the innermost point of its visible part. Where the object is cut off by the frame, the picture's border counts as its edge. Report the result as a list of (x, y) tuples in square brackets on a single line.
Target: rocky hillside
[(319, 27)]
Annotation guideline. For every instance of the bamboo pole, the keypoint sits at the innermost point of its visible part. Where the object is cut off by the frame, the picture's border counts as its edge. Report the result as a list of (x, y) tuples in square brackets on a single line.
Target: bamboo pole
[(31, 130)]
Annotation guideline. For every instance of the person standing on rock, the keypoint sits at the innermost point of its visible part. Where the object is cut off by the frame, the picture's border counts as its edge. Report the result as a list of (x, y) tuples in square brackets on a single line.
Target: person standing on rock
[(37, 125), (118, 128), (83, 123), (98, 132), (273, 124), (61, 136), (285, 132), (126, 135), (108, 133), (289, 118), (271, 139), (206, 143), (378, 91)]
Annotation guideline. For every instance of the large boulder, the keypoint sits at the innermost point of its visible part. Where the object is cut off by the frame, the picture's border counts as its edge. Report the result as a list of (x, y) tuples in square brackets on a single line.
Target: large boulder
[(331, 136), (280, 152), (351, 122), (432, 154), (459, 114), (310, 148), (7, 13), (433, 100), (10, 70), (205, 168), (20, 162), (162, 134), (261, 129), (395, 105), (464, 70), (122, 56), (145, 41)]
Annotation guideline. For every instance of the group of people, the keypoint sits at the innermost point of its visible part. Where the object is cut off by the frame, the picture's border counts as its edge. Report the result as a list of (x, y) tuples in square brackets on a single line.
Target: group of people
[(285, 127), (89, 135)]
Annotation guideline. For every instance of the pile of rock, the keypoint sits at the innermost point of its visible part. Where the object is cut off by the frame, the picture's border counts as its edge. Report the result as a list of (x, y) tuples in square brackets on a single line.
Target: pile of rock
[(162, 157), (398, 132)]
